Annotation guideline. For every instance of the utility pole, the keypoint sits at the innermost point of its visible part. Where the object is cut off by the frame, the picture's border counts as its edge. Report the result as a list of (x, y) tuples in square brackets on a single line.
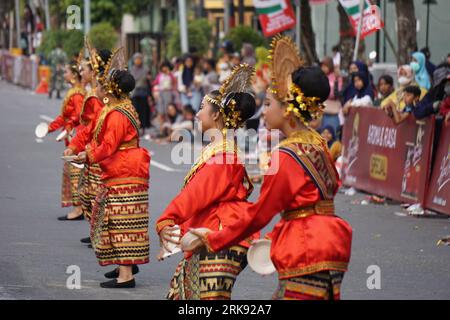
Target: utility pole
[(358, 36), (87, 16), (183, 26)]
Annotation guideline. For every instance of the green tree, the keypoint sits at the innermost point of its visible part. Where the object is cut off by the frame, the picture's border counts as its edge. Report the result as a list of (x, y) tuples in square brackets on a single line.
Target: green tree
[(70, 40), (199, 36), (103, 36), (245, 34), (101, 10)]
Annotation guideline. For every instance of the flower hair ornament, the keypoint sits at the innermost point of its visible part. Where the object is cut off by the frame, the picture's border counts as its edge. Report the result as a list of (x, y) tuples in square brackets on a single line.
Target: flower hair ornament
[(107, 78), (285, 59), (240, 81)]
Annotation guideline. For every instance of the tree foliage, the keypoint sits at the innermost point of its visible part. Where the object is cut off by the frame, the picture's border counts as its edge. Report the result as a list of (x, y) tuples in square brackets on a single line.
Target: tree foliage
[(199, 36), (245, 34), (103, 36), (71, 41), (101, 10)]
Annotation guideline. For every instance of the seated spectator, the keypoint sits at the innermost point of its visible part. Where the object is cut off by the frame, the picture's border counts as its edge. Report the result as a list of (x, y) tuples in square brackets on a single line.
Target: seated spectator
[(362, 97), (177, 122), (385, 89), (405, 78), (411, 96), (334, 145)]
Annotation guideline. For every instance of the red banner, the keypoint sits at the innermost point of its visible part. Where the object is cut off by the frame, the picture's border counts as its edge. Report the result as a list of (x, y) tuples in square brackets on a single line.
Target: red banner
[(387, 159), (275, 16), (438, 195)]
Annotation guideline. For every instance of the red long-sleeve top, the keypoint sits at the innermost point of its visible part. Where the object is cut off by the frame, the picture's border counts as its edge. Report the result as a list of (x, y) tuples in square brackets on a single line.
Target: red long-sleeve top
[(90, 112), (299, 246), (69, 116), (115, 147), (214, 197)]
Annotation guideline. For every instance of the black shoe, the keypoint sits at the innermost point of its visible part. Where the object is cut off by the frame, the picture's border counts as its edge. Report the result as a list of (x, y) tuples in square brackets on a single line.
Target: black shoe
[(65, 218), (86, 240), (114, 284), (115, 273)]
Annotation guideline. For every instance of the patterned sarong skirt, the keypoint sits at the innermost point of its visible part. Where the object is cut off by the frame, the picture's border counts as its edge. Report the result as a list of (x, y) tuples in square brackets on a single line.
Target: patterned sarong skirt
[(208, 276), (90, 182), (69, 191), (324, 285), (119, 225)]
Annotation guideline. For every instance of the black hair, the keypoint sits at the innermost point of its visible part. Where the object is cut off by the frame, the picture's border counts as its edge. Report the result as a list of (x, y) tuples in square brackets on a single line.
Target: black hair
[(125, 81), (314, 83), (189, 109), (245, 104), (73, 65), (415, 90), (211, 63), (388, 79), (165, 63), (104, 55)]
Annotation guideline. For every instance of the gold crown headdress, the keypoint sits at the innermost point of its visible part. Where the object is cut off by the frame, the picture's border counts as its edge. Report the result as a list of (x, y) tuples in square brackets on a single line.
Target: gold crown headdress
[(284, 60), (239, 81), (115, 63), (94, 58)]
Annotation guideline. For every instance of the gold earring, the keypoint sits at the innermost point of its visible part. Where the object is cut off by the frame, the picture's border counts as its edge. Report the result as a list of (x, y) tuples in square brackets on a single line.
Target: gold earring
[(72, 81), (105, 100)]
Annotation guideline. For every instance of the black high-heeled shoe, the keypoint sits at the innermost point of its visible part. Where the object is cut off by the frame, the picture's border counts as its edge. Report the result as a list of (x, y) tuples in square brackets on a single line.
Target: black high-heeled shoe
[(66, 218), (86, 240), (115, 273), (113, 284)]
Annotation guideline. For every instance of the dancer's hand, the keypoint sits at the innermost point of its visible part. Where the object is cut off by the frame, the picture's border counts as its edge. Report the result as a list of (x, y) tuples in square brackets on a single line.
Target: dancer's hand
[(167, 235), (202, 235), (68, 152), (160, 255), (81, 157)]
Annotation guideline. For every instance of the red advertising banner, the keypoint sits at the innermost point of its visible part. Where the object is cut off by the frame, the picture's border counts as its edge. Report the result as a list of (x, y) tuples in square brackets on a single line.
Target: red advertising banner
[(438, 195), (387, 159), (275, 15)]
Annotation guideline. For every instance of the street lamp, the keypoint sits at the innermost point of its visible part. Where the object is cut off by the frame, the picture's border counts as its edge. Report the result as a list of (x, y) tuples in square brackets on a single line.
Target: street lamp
[(428, 2)]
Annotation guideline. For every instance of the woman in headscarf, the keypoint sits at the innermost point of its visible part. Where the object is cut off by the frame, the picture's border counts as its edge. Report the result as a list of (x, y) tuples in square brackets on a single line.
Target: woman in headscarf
[(248, 54), (140, 93), (350, 91), (363, 95), (418, 65), (405, 76)]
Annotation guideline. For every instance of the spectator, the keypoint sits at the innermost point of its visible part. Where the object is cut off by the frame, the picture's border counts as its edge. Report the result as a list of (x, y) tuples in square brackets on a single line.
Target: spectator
[(411, 96), (385, 89), (405, 78), (350, 91), (362, 97), (419, 68), (164, 89), (211, 78), (248, 54), (235, 60), (198, 79), (336, 57), (140, 93), (333, 105), (57, 61), (444, 109), (334, 145), (431, 68), (189, 93), (177, 123)]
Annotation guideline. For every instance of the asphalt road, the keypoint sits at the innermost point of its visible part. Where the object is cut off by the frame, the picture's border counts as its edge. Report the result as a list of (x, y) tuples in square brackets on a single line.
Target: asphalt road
[(36, 249)]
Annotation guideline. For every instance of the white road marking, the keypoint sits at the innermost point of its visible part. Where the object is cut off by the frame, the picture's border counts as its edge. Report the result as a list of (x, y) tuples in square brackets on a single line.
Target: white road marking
[(46, 118), (163, 166)]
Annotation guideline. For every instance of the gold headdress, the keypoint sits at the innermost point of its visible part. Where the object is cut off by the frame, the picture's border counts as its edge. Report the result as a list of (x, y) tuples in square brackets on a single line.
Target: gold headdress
[(239, 81), (94, 58), (284, 60), (115, 63)]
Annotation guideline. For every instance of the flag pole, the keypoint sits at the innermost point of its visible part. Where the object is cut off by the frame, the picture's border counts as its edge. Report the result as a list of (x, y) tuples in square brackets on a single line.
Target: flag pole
[(358, 35)]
